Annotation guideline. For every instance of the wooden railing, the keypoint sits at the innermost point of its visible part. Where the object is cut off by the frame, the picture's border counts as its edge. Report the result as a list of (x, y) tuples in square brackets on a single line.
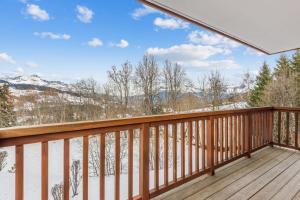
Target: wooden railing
[(173, 149)]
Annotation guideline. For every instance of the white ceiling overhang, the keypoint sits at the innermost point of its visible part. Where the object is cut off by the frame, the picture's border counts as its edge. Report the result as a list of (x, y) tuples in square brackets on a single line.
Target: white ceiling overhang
[(270, 26)]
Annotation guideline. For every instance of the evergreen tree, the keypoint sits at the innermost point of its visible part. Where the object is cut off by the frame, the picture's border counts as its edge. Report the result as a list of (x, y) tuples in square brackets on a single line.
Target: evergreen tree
[(262, 80), (283, 67), (296, 69), (7, 114)]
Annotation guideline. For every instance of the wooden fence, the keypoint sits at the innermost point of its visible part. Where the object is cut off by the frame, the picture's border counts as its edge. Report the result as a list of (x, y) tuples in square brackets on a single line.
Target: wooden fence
[(192, 145)]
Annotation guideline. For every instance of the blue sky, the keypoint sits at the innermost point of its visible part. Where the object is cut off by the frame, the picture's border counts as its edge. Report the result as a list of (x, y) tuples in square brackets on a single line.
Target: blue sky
[(73, 39)]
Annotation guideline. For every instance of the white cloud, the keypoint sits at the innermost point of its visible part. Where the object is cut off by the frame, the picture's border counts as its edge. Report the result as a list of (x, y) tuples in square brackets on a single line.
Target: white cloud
[(192, 55), (141, 12), (219, 64), (4, 57), (186, 52), (170, 23), (122, 44), (251, 51), (95, 42), (37, 13), (84, 14), (31, 64), (201, 37), (53, 36)]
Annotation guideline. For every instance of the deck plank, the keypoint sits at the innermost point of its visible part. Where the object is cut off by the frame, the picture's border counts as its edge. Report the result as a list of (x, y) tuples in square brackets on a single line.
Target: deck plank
[(271, 173), (297, 196), (289, 190), (252, 188), (204, 181), (224, 188), (275, 185)]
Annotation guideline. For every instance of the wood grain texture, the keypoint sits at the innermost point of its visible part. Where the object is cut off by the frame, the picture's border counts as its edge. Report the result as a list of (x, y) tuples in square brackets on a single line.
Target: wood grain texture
[(182, 131), (166, 154), (88, 125), (130, 164), (174, 153), (156, 158), (44, 164), (85, 168), (66, 169), (19, 177)]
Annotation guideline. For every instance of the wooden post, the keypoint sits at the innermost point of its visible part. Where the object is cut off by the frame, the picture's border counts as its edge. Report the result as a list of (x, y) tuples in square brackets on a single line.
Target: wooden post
[(210, 145), (144, 168)]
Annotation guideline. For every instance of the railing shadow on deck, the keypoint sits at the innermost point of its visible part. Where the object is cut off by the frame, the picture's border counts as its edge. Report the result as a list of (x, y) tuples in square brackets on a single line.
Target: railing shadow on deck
[(193, 144)]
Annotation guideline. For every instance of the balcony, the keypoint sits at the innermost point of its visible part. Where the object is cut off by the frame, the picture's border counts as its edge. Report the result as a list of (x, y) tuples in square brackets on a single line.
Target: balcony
[(237, 154)]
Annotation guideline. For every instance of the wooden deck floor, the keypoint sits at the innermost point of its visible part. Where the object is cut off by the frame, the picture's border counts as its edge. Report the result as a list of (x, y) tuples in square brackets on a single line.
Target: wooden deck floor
[(271, 173)]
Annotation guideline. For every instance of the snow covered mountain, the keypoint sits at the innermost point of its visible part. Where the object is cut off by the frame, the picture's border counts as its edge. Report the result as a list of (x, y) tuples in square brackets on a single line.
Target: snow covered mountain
[(21, 84)]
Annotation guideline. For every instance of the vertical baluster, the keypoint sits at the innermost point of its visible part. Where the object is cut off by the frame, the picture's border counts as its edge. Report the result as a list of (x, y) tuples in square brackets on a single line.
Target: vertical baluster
[(190, 136), (85, 167), (249, 122), (130, 163), (266, 128), (255, 129), (261, 128), (182, 131), (216, 135), (231, 134), (210, 145), (287, 127), (235, 137), (102, 166), (221, 139), (279, 127), (258, 130), (296, 129), (226, 137), (197, 146), (203, 145), (166, 154), (244, 133), (44, 171), (117, 165), (66, 169), (156, 158), (144, 166), (271, 127), (174, 133), (240, 134), (19, 176)]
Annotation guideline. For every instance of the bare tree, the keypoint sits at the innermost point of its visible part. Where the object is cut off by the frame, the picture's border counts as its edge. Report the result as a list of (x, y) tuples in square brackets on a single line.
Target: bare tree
[(147, 80), (121, 80), (3, 157), (174, 78), (281, 92), (57, 191), (75, 178), (247, 83), (214, 89)]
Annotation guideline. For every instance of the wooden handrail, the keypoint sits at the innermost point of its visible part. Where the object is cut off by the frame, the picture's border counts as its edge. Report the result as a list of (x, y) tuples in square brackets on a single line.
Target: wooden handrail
[(15, 132)]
